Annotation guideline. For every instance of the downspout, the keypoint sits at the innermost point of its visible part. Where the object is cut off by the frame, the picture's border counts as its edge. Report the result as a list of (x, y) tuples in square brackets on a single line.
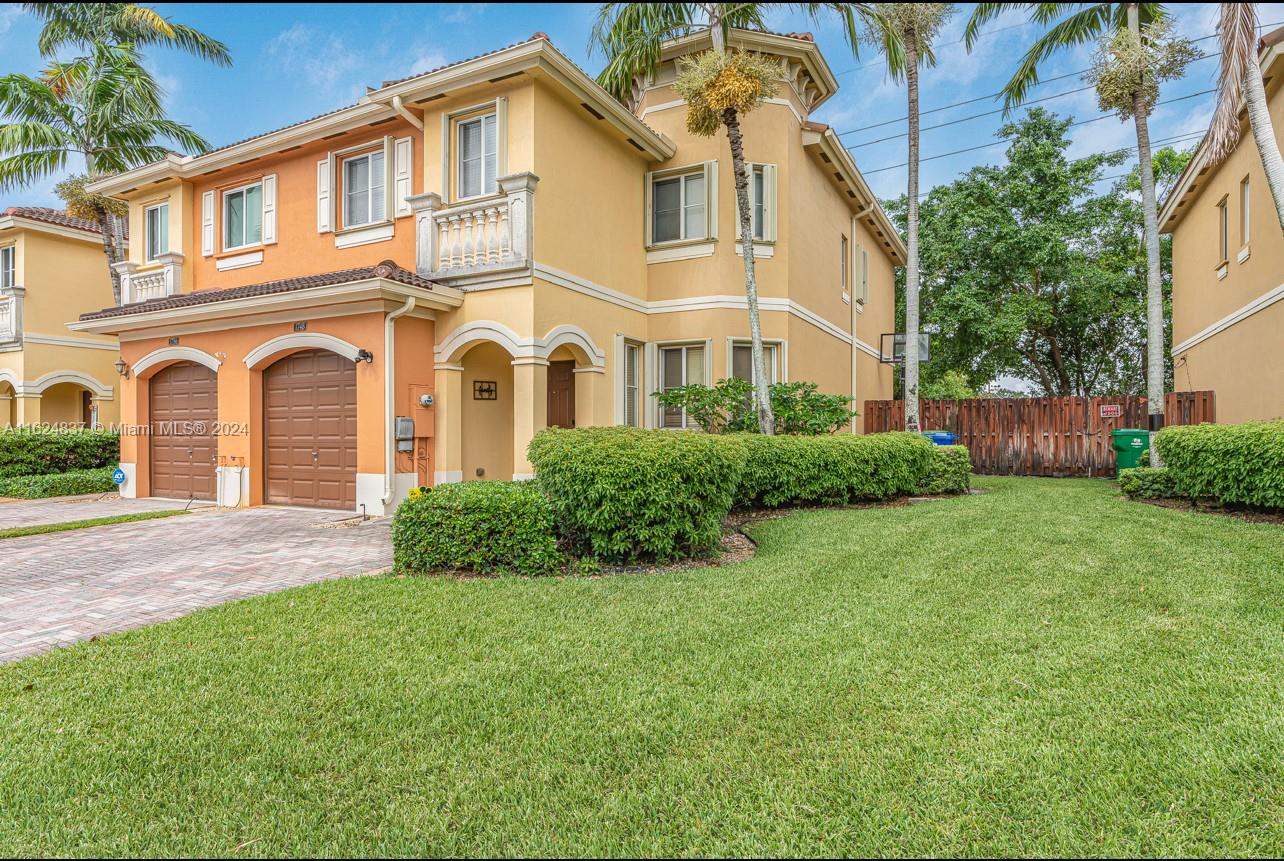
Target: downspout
[(389, 390), (400, 108)]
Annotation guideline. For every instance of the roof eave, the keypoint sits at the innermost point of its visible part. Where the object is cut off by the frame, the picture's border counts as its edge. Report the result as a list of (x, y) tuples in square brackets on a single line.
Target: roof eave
[(16, 222), (827, 142), (808, 53)]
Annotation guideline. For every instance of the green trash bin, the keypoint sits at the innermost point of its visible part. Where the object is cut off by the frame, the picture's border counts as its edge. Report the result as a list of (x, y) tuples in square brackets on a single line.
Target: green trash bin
[(1129, 444)]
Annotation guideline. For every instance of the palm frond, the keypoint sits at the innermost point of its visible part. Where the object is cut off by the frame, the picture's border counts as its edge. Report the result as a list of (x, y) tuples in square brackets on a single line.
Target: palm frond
[(1086, 25), (1237, 34), (25, 168), (983, 14)]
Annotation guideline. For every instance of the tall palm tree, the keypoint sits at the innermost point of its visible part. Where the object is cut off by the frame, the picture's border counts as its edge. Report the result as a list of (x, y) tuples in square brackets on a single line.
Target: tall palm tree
[(84, 25), (907, 30), (1241, 80), (1125, 24), (632, 36), (103, 109)]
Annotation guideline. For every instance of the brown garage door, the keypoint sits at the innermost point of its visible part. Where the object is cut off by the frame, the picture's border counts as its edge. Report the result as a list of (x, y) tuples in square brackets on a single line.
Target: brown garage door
[(310, 412), (183, 400)]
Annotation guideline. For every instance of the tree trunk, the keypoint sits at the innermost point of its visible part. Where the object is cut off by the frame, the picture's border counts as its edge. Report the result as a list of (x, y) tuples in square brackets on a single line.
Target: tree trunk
[(1259, 118), (911, 242), (107, 226), (761, 395), (1154, 289)]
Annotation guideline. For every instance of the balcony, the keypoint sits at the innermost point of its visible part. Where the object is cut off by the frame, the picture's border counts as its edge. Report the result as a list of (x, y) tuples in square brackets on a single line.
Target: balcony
[(476, 241), (164, 277), (11, 317)]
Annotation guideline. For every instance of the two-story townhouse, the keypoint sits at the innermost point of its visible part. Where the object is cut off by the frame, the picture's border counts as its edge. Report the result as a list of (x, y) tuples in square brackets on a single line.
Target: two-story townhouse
[(1228, 256), (51, 268), (406, 290)]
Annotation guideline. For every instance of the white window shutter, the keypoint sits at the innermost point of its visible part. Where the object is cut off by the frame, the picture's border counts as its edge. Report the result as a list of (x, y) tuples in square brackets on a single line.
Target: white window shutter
[(269, 210), (207, 224), (769, 202), (711, 198), (650, 215), (864, 276), (323, 196), (404, 155)]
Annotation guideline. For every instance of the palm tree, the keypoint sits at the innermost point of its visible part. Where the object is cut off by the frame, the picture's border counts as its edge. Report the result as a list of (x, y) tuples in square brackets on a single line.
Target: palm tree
[(632, 36), (906, 30), (1133, 58), (84, 25), (1241, 79), (104, 109)]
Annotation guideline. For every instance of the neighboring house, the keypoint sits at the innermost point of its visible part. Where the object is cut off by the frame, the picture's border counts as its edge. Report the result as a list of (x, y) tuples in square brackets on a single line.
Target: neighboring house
[(52, 269), (1228, 271), (482, 250)]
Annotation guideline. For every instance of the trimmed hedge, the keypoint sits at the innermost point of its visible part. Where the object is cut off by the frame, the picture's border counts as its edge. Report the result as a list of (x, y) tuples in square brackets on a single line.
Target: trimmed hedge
[(949, 471), (70, 483), (625, 494), (1236, 464), (831, 470), (1145, 482), (26, 451), (490, 527)]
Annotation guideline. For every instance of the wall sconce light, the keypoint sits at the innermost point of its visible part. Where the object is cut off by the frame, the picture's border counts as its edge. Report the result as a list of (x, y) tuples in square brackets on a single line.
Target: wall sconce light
[(365, 356), (122, 369)]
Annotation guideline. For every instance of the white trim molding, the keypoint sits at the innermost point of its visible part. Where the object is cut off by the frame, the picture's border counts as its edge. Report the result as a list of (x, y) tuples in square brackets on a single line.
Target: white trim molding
[(175, 354), (364, 236), (301, 341), (1260, 303), (58, 341), (682, 251), (240, 261), (53, 378), (523, 350)]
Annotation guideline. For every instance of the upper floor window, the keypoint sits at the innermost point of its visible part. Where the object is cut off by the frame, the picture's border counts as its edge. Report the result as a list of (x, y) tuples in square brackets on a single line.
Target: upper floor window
[(243, 216), (1243, 211), (1223, 240), (862, 288), (157, 218), (844, 267), (478, 156), (7, 266), (679, 366), (742, 362), (678, 206), (365, 195)]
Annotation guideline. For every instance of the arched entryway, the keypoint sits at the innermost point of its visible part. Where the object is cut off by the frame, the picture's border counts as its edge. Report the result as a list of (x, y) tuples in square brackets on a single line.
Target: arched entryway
[(310, 430), (183, 446)]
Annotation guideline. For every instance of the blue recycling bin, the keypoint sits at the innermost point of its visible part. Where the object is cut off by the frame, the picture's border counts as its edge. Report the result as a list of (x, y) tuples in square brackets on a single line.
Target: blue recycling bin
[(941, 437)]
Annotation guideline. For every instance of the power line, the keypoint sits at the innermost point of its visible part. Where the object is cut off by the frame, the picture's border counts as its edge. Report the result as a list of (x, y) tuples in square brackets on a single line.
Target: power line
[(1007, 139), (944, 45)]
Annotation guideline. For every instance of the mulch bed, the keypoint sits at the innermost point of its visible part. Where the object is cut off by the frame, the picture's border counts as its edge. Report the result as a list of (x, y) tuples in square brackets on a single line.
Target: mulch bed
[(1208, 507)]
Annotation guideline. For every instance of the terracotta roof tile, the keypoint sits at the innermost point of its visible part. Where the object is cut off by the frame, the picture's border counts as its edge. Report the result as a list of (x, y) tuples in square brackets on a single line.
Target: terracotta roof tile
[(52, 216), (387, 270), (534, 38)]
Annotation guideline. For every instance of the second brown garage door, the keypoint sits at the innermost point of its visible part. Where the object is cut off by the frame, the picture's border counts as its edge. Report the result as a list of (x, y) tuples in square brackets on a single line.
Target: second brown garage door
[(183, 400), (310, 415)]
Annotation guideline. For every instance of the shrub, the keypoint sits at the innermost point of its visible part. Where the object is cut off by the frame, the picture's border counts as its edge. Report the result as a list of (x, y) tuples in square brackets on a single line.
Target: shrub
[(624, 494), (831, 470), (1234, 464), (59, 484), (799, 408), (26, 451), (490, 527), (1144, 482), (948, 471)]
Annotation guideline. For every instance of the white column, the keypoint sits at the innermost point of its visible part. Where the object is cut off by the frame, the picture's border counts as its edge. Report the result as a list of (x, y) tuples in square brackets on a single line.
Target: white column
[(520, 191), (425, 207), (126, 268)]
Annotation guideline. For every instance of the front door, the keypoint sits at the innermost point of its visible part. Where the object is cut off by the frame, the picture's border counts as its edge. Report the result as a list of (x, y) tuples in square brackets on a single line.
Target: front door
[(561, 394)]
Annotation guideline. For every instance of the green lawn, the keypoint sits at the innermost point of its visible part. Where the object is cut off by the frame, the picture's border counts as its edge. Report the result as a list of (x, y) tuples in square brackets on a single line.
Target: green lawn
[(46, 528), (1045, 669)]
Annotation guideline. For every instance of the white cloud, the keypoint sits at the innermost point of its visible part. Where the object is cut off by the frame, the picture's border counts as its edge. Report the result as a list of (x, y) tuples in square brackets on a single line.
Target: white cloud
[(322, 60), (424, 63), (9, 12)]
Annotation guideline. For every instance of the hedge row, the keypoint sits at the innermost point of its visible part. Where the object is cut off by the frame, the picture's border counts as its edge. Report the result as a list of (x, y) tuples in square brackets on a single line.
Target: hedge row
[(1234, 464), (491, 527), (949, 471), (68, 483), (831, 470), (1144, 482), (26, 451)]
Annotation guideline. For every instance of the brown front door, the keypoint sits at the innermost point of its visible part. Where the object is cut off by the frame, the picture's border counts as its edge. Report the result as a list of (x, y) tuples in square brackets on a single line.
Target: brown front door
[(310, 416), (183, 401), (561, 394)]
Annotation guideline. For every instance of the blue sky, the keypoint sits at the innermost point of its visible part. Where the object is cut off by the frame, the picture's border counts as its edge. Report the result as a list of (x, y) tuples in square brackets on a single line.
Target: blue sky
[(295, 61)]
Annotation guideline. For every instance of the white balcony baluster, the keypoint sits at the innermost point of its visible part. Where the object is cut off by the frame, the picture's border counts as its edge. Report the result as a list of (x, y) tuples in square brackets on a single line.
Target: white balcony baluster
[(471, 241)]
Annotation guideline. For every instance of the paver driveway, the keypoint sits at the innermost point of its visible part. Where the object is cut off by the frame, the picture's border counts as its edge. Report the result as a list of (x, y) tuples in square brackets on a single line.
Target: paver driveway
[(67, 586), (35, 512)]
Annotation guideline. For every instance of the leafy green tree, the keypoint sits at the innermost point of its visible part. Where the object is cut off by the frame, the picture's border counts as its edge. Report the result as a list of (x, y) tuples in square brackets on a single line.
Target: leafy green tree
[(1029, 272), (1136, 52), (720, 87), (952, 385)]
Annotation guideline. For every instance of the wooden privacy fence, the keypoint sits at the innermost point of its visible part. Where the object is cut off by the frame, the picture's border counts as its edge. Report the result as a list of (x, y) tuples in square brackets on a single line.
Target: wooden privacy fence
[(1041, 436)]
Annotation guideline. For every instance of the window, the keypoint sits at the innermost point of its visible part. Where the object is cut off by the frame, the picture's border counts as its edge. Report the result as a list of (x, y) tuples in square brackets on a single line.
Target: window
[(742, 362), (844, 266), (478, 156), (1243, 211), (1223, 244), (243, 217), (632, 388), (7, 266), (678, 208), (157, 230), (679, 366), (364, 189), (862, 296), (758, 189)]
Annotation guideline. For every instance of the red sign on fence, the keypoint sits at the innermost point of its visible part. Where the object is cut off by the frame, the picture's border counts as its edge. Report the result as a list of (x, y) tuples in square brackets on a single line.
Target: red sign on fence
[(1111, 411)]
